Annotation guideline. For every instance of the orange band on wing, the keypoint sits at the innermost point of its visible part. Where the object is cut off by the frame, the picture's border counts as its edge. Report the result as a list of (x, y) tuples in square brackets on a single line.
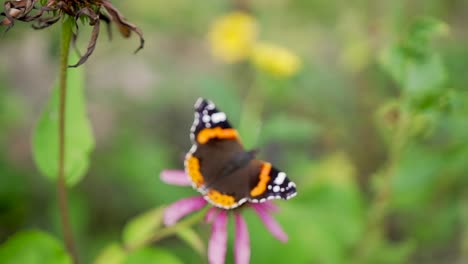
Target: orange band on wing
[(222, 133), (193, 170), (264, 178), (221, 199)]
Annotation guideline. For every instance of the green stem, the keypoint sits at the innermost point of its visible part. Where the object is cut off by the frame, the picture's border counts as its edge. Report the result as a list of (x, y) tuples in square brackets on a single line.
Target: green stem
[(250, 120), (61, 186), (243, 5), (171, 230), (464, 236), (379, 208)]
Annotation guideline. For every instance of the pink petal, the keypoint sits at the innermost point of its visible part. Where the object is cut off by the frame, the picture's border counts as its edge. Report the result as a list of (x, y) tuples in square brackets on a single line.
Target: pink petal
[(181, 208), (218, 240), (242, 243), (270, 223), (270, 206), (175, 177), (211, 214)]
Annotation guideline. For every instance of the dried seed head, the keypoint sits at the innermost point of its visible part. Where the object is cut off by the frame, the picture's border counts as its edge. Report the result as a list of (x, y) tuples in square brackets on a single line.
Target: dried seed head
[(51, 12)]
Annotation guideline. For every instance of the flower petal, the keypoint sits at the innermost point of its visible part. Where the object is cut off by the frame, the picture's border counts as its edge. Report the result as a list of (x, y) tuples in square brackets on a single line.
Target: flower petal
[(270, 223), (175, 177), (211, 214), (242, 243), (181, 208), (218, 240), (271, 207)]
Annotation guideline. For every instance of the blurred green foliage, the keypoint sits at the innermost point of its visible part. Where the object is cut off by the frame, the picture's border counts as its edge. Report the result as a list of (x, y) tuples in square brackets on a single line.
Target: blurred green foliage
[(33, 247), (380, 106)]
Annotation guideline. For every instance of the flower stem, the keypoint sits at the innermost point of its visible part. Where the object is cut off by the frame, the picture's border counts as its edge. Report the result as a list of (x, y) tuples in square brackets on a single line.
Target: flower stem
[(243, 5), (378, 210), (61, 187), (171, 230), (250, 121), (464, 234)]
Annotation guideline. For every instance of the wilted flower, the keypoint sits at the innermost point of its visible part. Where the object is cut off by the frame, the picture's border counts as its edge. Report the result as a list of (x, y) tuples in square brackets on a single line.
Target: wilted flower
[(232, 36), (52, 10), (218, 218), (275, 60)]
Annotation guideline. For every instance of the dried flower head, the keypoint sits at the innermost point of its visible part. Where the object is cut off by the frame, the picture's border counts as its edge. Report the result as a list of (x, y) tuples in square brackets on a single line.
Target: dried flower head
[(51, 11)]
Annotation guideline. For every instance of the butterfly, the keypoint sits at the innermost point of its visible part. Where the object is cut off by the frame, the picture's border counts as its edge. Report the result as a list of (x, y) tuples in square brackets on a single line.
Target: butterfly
[(222, 170)]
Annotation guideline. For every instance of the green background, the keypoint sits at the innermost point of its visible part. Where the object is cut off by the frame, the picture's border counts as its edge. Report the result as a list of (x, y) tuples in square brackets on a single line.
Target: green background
[(379, 104)]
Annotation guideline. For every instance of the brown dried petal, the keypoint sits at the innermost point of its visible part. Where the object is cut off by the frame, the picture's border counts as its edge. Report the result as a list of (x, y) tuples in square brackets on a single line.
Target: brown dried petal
[(124, 26), (94, 21), (12, 13), (18, 10), (46, 22)]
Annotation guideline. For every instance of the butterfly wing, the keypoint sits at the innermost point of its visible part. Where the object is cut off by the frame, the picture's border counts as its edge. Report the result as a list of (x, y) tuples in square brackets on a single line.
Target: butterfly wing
[(211, 164), (270, 183), (215, 144), (210, 123)]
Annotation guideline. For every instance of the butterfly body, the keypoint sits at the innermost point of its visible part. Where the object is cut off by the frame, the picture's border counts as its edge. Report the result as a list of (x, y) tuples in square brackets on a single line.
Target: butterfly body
[(222, 170)]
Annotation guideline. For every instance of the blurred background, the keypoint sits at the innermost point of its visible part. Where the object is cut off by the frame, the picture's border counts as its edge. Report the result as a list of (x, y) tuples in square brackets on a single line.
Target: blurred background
[(378, 149)]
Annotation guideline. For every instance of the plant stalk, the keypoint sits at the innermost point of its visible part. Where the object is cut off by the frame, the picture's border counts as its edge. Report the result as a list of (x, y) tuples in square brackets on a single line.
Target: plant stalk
[(171, 230), (379, 207), (61, 186)]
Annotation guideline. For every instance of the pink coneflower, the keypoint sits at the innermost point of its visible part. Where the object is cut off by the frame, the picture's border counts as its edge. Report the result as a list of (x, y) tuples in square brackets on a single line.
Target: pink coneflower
[(218, 219)]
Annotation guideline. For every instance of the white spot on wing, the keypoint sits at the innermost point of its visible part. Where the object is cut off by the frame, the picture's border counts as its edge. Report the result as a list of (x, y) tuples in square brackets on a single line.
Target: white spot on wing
[(276, 188), (198, 102), (241, 201), (280, 178), (291, 195), (206, 118), (195, 121), (218, 117), (210, 106), (193, 149)]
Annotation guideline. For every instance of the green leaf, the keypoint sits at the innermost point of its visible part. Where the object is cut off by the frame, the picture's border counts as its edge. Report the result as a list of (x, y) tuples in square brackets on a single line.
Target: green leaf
[(142, 227), (416, 77), (79, 141), (192, 239), (412, 63), (112, 254), (425, 76), (420, 33), (151, 255), (393, 61), (33, 247)]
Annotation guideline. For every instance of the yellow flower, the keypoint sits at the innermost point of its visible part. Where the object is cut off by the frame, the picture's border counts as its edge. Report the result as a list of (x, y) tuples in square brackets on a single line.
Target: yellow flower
[(275, 60), (232, 36)]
